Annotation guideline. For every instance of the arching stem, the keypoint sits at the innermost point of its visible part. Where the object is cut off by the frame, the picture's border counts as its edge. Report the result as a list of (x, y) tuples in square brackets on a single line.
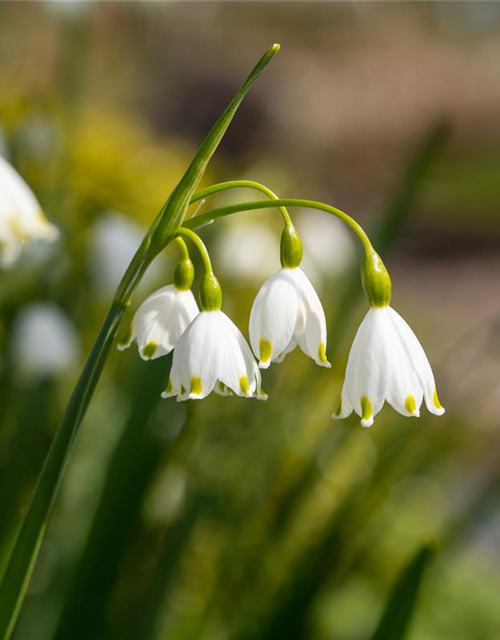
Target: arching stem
[(199, 244), (183, 248), (210, 216), (241, 184)]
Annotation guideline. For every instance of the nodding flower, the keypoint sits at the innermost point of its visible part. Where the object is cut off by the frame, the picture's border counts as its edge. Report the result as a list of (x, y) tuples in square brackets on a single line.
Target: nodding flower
[(212, 354), (21, 218), (287, 313), (160, 321), (387, 363)]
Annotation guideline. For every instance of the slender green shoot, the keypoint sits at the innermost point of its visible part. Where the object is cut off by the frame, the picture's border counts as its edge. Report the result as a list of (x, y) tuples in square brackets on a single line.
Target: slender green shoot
[(241, 184), (199, 244), (402, 600), (214, 214)]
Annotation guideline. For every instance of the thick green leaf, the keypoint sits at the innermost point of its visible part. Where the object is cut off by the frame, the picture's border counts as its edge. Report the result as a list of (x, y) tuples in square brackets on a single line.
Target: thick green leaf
[(403, 598), (25, 550)]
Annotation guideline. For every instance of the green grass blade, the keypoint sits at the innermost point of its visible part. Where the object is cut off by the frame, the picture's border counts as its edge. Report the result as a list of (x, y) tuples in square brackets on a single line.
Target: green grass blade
[(403, 598), (132, 466), (23, 556), (25, 550)]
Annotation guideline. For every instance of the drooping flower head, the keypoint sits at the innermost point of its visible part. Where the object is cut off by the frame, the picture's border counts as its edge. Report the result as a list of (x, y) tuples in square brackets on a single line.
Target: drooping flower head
[(287, 311), (212, 354), (160, 321), (163, 317), (386, 361), (21, 218)]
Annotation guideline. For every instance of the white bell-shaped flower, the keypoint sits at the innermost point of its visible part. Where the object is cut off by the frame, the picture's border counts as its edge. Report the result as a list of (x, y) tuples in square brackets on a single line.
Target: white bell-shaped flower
[(160, 321), (212, 354), (21, 218), (387, 363), (287, 312)]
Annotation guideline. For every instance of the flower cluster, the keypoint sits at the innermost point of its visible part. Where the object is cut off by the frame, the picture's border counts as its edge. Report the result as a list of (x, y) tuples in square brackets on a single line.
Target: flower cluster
[(386, 362), (21, 218)]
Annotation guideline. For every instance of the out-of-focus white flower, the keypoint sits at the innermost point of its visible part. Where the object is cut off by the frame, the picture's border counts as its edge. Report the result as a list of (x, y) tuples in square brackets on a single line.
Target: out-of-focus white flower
[(213, 354), (38, 137), (287, 312), (160, 321), (21, 218), (246, 250), (44, 341), (387, 362), (113, 243)]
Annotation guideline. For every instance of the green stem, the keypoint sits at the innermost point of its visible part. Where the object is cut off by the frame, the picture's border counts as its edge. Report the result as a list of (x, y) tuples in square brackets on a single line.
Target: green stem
[(241, 184), (198, 242), (183, 248), (210, 216)]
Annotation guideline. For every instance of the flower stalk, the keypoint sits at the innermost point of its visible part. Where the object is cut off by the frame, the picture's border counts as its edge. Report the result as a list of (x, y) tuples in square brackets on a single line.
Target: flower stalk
[(210, 216)]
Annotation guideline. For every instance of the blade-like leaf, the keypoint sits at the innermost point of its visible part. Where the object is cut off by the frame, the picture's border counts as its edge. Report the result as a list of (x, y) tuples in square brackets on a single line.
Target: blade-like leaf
[(132, 466), (25, 550), (403, 598)]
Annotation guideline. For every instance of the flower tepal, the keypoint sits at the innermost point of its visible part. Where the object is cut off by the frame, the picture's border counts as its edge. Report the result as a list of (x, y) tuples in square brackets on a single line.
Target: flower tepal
[(21, 218), (387, 363), (212, 354), (160, 321), (287, 312)]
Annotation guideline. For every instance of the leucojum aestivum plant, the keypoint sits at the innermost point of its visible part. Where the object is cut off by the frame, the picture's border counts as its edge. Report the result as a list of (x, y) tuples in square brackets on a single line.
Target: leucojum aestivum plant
[(386, 362)]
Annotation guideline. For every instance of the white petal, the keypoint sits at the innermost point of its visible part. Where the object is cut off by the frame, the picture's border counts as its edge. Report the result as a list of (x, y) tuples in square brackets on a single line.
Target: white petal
[(239, 371), (291, 346), (405, 391), (311, 333), (369, 368), (172, 321), (221, 389), (273, 317), (160, 321), (198, 356), (419, 361), (345, 408)]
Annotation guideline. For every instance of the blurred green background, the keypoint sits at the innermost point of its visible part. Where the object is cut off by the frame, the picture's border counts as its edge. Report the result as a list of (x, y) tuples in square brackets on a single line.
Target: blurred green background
[(231, 518)]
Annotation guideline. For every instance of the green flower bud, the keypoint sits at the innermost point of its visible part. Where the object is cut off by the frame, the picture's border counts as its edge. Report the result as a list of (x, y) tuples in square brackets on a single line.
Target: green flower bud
[(376, 280), (291, 247), (184, 274), (210, 293)]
